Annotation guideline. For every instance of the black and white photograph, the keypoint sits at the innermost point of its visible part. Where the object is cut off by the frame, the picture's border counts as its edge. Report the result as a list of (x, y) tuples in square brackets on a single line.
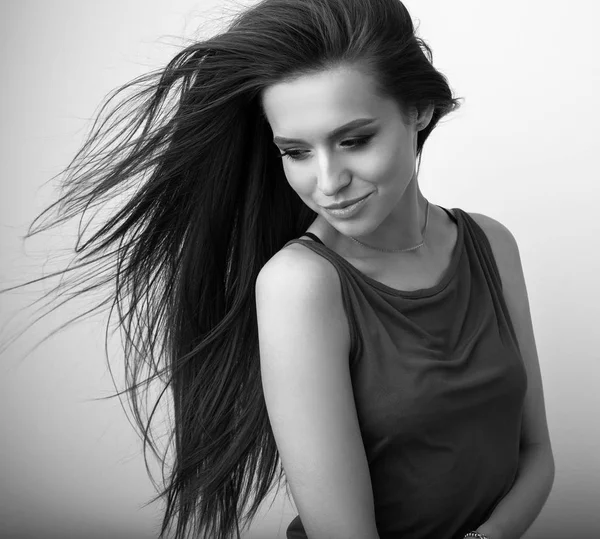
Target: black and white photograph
[(299, 269)]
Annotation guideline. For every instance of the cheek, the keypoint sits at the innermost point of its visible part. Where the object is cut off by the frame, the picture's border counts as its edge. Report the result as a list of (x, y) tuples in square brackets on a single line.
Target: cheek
[(385, 165), (299, 181)]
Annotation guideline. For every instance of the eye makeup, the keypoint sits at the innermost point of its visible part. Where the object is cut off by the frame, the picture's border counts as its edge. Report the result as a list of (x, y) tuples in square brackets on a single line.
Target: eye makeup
[(356, 143)]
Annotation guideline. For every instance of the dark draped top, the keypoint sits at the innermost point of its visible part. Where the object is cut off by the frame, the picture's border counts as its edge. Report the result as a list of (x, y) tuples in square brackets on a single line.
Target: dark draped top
[(439, 385)]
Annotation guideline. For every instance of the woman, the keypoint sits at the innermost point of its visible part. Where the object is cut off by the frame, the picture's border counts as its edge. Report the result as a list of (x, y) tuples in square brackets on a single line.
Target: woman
[(382, 349)]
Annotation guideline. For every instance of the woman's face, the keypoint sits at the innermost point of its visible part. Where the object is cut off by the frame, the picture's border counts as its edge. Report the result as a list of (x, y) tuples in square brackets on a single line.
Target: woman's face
[(341, 141)]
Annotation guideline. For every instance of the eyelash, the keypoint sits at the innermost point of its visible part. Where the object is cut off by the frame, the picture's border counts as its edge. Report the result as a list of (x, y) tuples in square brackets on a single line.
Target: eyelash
[(359, 142)]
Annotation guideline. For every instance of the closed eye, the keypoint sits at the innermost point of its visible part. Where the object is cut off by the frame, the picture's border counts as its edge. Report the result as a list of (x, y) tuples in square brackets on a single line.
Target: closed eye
[(298, 155)]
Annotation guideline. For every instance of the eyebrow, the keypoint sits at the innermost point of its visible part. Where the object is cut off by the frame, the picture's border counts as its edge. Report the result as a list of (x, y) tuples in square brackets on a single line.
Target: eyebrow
[(360, 122)]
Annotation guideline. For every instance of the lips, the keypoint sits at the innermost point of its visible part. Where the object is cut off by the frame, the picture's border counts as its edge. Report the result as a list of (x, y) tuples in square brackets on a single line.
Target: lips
[(343, 205)]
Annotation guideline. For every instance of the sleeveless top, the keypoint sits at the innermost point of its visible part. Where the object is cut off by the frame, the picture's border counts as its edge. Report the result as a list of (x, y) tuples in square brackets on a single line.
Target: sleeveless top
[(439, 385)]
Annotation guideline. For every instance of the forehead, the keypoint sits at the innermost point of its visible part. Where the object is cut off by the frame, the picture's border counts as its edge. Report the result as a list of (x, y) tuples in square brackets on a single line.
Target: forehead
[(314, 104)]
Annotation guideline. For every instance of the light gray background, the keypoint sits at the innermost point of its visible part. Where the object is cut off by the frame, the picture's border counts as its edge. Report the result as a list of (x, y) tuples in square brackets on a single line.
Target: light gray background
[(523, 149)]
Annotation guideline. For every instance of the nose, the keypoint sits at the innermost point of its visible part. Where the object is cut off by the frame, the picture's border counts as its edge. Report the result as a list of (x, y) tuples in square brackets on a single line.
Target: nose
[(331, 174)]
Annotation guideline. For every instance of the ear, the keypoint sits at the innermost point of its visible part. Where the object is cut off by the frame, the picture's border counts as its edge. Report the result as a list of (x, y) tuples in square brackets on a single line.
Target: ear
[(424, 117)]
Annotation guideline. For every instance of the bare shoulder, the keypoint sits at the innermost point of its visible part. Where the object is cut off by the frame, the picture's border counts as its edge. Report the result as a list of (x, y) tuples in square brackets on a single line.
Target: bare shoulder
[(304, 365), (299, 267), (299, 254), (503, 243), (298, 278), (489, 224)]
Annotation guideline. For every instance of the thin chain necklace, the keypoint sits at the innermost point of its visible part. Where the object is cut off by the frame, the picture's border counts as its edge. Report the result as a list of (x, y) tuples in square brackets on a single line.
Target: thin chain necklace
[(400, 250)]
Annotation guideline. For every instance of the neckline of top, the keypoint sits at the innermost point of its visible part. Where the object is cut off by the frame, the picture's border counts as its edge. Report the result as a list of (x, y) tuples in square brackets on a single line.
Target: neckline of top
[(421, 292)]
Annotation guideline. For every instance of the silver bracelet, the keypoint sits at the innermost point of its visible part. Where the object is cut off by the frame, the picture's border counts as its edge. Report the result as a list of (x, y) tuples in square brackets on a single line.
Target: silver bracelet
[(477, 535)]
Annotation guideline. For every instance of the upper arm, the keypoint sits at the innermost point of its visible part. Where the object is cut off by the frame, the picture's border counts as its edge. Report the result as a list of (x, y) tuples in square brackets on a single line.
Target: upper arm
[(534, 429), (304, 359)]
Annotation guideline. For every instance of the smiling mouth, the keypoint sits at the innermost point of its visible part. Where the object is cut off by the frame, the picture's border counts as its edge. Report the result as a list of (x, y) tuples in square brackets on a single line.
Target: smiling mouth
[(349, 211), (345, 204)]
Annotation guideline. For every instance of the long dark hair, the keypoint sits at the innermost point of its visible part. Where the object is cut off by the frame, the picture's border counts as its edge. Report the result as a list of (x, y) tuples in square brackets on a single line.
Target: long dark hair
[(205, 205)]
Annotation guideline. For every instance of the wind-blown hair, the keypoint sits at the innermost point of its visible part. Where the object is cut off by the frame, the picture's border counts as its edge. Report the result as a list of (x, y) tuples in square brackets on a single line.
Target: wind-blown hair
[(206, 205)]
